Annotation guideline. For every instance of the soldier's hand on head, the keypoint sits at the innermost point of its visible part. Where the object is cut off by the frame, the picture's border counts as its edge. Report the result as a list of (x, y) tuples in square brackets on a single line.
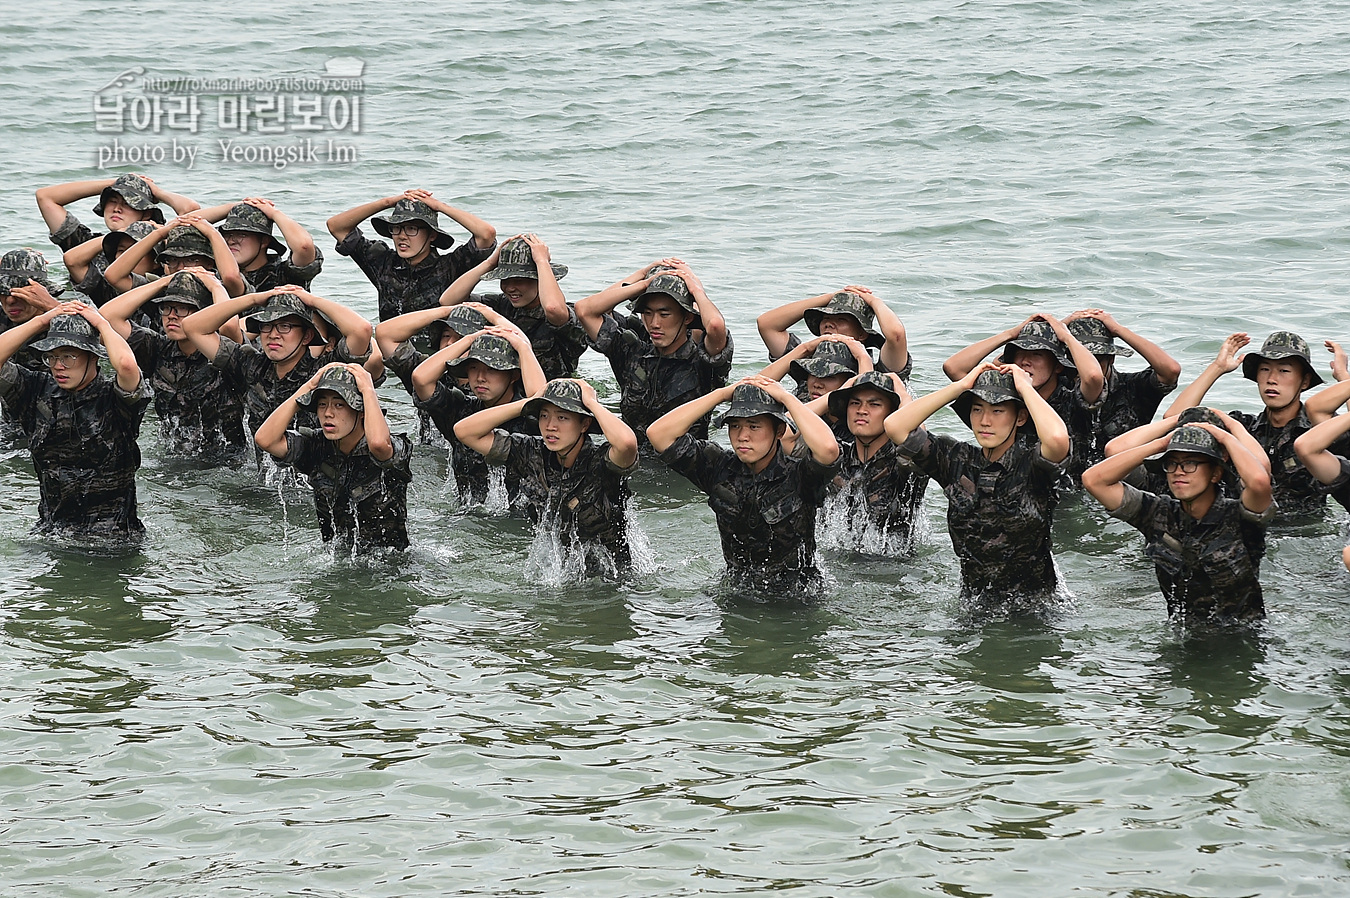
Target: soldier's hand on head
[(588, 395), (1228, 358), (417, 194), (538, 248), (36, 295), (1339, 367)]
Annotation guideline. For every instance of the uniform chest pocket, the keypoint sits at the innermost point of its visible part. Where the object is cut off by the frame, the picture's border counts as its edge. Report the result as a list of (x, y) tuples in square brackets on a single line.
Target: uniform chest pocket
[(781, 504)]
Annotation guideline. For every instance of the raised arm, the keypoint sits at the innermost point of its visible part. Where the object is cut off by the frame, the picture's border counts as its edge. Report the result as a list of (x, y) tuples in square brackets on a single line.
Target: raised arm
[(79, 258), (18, 336), (181, 205), (1144, 433), (773, 325), (714, 325), (1227, 360), (475, 431), (1256, 494), (777, 370), (1051, 430), (1323, 404), (461, 288), (392, 332), (1090, 378), (668, 428), (201, 326), (1164, 366), (811, 428), (120, 356), (623, 443), (118, 272), (356, 329), (227, 269), (484, 234), (298, 240), (426, 375), (895, 351), (344, 223), (52, 201), (378, 441), (532, 379), (963, 361), (271, 434), (592, 310), (551, 298), (908, 418), (1314, 448), (1103, 480), (119, 310)]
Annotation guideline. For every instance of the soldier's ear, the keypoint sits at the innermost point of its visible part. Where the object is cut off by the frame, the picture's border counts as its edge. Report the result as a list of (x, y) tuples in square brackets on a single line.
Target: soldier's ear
[(1022, 416)]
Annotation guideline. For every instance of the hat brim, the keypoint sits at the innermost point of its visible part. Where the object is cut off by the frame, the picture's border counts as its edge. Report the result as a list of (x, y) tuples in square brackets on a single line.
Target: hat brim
[(47, 344), (384, 227), (744, 411), (1155, 462), (345, 392), (813, 317), (1106, 349), (502, 272), (839, 399), (1061, 355), (140, 205), (253, 324), (961, 404), (273, 244), (1252, 360), (636, 303), (494, 364), (531, 408)]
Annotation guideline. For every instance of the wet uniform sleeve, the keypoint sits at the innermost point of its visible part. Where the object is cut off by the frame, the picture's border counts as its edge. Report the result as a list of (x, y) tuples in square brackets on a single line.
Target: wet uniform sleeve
[(933, 454), (720, 363), (400, 462), (609, 463), (403, 362), (1263, 518), (371, 256), (613, 340), (302, 452), (446, 406), (19, 386), (146, 346), (504, 447), (71, 234), (1139, 509), (697, 460), (133, 403), (290, 273)]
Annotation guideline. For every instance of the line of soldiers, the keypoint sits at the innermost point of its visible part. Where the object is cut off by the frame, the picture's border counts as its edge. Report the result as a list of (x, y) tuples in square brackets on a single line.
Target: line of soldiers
[(210, 316)]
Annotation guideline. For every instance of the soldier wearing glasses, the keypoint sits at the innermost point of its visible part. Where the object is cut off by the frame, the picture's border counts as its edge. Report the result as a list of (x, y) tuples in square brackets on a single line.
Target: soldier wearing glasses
[(1206, 549), (81, 427)]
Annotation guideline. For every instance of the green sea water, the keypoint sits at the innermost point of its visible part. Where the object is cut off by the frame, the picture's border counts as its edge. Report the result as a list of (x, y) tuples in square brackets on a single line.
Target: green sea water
[(232, 711)]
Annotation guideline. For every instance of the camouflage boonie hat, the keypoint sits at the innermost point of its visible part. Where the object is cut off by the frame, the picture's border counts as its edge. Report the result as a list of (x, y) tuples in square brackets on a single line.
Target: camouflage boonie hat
[(1037, 335), (563, 392), (672, 285), (279, 306), (491, 350), (1189, 439), (339, 381), (991, 386), (136, 232), (184, 241), (852, 305), (1281, 345), (748, 401), (829, 359), (73, 331), (1096, 337), (516, 260), (406, 210), (19, 266), (462, 320), (1198, 413), (870, 380), (135, 192), (186, 289), (244, 217)]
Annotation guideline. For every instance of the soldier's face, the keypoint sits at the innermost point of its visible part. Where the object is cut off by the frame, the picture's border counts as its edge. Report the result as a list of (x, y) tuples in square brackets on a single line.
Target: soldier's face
[(411, 241), (279, 346), (562, 430), (1186, 487), (491, 386), (817, 387), (755, 439), (846, 325), (175, 264), (117, 214), (523, 293), (16, 307), (246, 247), (867, 411), (336, 417), (171, 315), (666, 323), (1281, 381), (1039, 364), (994, 424), (144, 266), (72, 369)]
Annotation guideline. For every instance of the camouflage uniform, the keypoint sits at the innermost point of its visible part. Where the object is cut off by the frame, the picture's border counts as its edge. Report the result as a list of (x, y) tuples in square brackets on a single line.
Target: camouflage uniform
[(360, 500), (767, 521), (652, 384), (248, 370), (998, 513), (794, 341), (1297, 491), (588, 501), (133, 190), (447, 407), (201, 413), (84, 450), (556, 348), (1207, 569), (278, 269), (1130, 399), (887, 488), (402, 287)]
